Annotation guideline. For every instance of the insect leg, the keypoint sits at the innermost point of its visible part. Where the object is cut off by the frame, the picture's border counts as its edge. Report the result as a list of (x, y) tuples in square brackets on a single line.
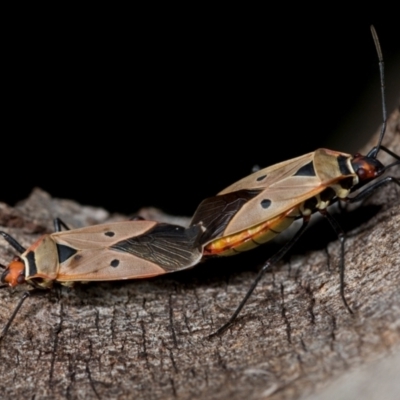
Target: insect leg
[(15, 312), (390, 152), (271, 261), (58, 224), (370, 189), (342, 238), (339, 231)]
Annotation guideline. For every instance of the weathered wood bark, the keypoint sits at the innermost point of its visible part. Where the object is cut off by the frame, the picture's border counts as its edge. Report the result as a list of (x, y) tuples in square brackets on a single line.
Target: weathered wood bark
[(147, 339)]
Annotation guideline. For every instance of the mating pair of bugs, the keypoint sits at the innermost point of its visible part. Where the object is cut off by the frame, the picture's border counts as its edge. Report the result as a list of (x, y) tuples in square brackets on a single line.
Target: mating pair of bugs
[(249, 212)]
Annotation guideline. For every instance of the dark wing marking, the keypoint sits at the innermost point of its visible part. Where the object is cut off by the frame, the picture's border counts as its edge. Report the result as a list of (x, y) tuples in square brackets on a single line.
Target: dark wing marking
[(306, 170), (170, 246), (64, 252), (215, 213)]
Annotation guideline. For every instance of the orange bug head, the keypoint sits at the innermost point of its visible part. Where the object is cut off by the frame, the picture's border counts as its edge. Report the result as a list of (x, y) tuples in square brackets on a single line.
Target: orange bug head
[(14, 274), (367, 167)]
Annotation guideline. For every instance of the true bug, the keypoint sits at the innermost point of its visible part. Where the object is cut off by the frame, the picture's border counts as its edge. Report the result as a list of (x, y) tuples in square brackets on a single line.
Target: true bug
[(106, 252), (255, 209)]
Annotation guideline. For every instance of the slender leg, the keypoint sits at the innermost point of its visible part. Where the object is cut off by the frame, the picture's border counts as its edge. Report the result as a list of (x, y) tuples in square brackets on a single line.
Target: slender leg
[(58, 224), (339, 231), (386, 150), (342, 238), (370, 189), (272, 261), (15, 312)]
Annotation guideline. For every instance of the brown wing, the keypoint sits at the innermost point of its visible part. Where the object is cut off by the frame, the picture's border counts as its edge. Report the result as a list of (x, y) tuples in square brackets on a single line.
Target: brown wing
[(215, 213), (125, 250)]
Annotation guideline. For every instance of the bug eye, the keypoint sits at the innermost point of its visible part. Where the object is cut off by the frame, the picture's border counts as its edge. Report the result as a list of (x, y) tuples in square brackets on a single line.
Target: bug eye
[(362, 173), (20, 279)]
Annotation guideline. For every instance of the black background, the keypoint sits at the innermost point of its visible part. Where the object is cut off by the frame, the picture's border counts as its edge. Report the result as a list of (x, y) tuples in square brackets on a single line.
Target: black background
[(169, 107)]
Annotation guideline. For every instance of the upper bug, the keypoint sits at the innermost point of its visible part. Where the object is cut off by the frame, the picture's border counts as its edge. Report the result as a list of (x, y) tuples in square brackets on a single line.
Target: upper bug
[(258, 207)]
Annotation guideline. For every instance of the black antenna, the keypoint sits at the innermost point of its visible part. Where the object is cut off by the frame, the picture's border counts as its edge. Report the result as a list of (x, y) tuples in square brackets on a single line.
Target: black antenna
[(376, 149), (21, 249)]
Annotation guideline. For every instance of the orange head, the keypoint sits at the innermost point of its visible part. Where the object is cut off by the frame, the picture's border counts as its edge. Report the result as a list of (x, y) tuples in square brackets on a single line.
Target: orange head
[(367, 167), (14, 274)]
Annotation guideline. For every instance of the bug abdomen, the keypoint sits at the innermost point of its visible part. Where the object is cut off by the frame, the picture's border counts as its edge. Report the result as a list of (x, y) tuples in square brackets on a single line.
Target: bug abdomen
[(252, 237)]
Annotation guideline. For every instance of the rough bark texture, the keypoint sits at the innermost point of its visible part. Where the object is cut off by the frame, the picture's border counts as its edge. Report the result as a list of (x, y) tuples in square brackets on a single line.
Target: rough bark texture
[(147, 339)]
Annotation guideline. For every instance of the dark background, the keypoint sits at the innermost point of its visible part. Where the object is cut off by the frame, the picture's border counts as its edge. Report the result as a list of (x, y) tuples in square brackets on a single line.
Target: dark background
[(166, 108)]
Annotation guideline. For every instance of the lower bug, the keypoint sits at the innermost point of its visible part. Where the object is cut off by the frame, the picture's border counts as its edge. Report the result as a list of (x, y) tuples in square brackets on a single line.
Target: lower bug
[(107, 252), (258, 207)]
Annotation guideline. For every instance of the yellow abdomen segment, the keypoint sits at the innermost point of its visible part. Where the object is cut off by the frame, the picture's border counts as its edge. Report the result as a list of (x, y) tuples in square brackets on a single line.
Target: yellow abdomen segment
[(253, 237)]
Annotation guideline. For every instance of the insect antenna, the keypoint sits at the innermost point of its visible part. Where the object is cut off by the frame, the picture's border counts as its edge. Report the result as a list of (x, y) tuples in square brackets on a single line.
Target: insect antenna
[(375, 150), (21, 249), (372, 154)]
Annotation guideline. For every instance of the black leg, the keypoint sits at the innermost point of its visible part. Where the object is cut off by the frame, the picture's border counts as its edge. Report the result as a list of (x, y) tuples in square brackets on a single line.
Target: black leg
[(272, 261), (58, 223), (370, 189), (15, 312), (390, 152), (342, 238)]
